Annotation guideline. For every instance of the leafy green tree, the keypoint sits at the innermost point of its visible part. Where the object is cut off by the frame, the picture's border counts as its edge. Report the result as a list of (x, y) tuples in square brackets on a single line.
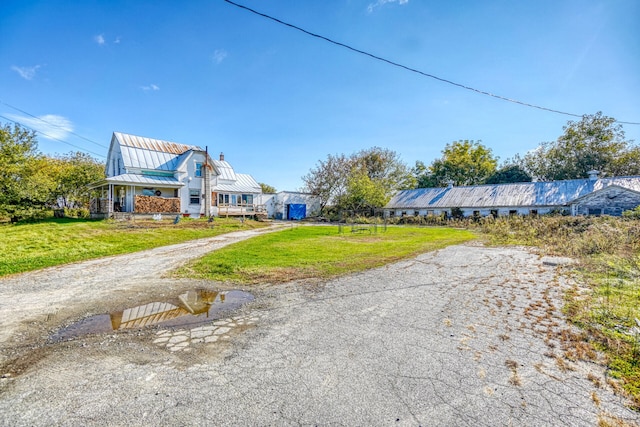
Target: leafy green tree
[(334, 179), (20, 169), (266, 188), (328, 180), (462, 163), (363, 192), (596, 142), (509, 174), (74, 172)]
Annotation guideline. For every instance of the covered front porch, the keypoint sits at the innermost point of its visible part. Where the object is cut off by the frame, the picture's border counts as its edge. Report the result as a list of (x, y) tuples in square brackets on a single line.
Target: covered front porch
[(135, 194)]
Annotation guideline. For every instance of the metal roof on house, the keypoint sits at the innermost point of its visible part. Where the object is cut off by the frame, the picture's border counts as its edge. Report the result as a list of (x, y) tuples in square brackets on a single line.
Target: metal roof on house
[(152, 154), (135, 179), (525, 194), (225, 170), (153, 144), (243, 184)]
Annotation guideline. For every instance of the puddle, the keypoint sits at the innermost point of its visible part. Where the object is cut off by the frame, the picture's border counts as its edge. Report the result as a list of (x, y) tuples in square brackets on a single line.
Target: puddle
[(193, 307)]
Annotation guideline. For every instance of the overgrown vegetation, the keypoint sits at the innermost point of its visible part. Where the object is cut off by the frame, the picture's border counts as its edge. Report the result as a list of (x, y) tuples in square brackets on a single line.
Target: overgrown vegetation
[(608, 254), (30, 246), (318, 252)]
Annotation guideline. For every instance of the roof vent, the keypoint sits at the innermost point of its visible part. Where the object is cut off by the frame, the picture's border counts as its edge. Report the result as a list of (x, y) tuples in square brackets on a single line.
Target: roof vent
[(593, 175), (450, 183), (222, 157)]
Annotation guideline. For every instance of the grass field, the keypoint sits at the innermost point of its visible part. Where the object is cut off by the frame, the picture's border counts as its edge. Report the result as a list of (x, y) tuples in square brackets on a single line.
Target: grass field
[(25, 247), (318, 252)]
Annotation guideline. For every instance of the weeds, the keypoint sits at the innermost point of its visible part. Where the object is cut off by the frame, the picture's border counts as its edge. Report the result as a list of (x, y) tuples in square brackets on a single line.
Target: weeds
[(607, 308)]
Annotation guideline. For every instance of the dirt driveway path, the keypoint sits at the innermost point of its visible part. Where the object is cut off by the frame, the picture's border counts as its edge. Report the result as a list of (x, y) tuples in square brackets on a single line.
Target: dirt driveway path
[(467, 335)]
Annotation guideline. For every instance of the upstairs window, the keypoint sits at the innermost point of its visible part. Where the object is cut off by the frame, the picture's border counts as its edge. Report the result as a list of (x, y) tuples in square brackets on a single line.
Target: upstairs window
[(198, 169)]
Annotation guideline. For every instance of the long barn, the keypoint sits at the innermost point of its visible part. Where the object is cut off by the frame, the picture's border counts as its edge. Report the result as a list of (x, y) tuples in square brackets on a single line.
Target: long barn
[(589, 196)]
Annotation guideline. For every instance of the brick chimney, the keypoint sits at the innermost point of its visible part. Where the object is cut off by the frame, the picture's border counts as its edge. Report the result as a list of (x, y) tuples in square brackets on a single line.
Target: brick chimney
[(222, 157)]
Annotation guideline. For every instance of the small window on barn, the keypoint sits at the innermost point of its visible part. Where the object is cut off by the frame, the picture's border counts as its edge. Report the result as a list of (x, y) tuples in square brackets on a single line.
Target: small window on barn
[(513, 212), (494, 213), (533, 212), (404, 213), (194, 197), (476, 213), (198, 169), (416, 213), (595, 211)]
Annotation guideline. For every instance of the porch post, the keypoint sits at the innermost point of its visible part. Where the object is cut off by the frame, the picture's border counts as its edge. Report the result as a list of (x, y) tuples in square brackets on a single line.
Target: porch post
[(110, 201)]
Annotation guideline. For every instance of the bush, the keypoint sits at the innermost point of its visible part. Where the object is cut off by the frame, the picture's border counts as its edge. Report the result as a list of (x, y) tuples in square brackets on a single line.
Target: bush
[(77, 213), (632, 213)]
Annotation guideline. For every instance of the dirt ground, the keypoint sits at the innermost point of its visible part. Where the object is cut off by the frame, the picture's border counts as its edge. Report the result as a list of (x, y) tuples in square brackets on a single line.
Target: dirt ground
[(467, 335)]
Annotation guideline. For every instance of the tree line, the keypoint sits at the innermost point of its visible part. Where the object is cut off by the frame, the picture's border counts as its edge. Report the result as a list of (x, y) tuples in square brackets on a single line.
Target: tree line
[(367, 179), (32, 183)]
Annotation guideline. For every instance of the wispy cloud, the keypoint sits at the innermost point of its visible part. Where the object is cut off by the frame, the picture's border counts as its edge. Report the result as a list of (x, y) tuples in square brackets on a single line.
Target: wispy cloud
[(219, 55), (49, 126), (151, 87), (99, 39), (117, 40), (26, 73), (379, 3)]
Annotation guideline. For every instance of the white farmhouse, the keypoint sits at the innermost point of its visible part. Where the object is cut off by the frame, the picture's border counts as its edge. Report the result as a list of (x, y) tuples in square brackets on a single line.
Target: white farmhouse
[(149, 176)]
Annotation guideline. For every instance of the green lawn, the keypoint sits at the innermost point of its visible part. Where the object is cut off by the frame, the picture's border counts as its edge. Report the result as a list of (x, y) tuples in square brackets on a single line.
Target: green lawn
[(25, 247), (317, 252)]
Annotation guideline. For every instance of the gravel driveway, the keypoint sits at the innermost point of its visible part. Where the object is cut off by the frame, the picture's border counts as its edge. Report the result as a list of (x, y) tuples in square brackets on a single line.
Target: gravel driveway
[(467, 335)]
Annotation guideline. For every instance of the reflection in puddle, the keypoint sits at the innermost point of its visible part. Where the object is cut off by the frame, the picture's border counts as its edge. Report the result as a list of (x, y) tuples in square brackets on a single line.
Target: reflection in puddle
[(192, 307)]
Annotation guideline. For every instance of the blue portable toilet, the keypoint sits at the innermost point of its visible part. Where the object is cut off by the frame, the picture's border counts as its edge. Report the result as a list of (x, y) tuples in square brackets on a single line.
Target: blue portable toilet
[(296, 211)]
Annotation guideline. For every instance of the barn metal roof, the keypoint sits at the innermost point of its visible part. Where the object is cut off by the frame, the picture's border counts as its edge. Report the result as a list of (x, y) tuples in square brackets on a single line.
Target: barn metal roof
[(554, 193)]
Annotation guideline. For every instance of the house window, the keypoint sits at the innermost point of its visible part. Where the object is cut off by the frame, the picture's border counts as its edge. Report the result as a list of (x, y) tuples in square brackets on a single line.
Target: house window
[(223, 199), (247, 199), (494, 213), (194, 197), (198, 169), (533, 212), (416, 213), (513, 212)]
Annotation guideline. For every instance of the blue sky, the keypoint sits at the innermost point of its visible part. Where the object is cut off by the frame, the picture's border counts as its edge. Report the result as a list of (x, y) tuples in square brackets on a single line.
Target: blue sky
[(276, 101)]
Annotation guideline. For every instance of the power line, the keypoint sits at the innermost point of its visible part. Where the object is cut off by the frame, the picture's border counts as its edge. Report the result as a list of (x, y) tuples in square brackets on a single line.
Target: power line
[(52, 137), (413, 70), (53, 124)]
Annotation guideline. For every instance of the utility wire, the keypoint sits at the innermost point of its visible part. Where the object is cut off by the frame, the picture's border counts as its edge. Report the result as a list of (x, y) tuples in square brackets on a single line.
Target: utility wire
[(53, 124), (413, 70), (52, 137)]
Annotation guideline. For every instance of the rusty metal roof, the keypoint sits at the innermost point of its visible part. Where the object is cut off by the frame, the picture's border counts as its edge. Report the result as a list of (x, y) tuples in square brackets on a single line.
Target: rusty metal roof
[(525, 194), (153, 144)]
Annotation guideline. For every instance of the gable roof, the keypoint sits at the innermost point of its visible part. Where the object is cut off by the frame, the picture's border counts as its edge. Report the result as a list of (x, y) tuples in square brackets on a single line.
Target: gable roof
[(524, 194), (153, 154)]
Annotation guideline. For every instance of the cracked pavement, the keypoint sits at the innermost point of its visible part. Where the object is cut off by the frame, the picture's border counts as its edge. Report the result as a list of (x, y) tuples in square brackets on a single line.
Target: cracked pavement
[(467, 335)]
